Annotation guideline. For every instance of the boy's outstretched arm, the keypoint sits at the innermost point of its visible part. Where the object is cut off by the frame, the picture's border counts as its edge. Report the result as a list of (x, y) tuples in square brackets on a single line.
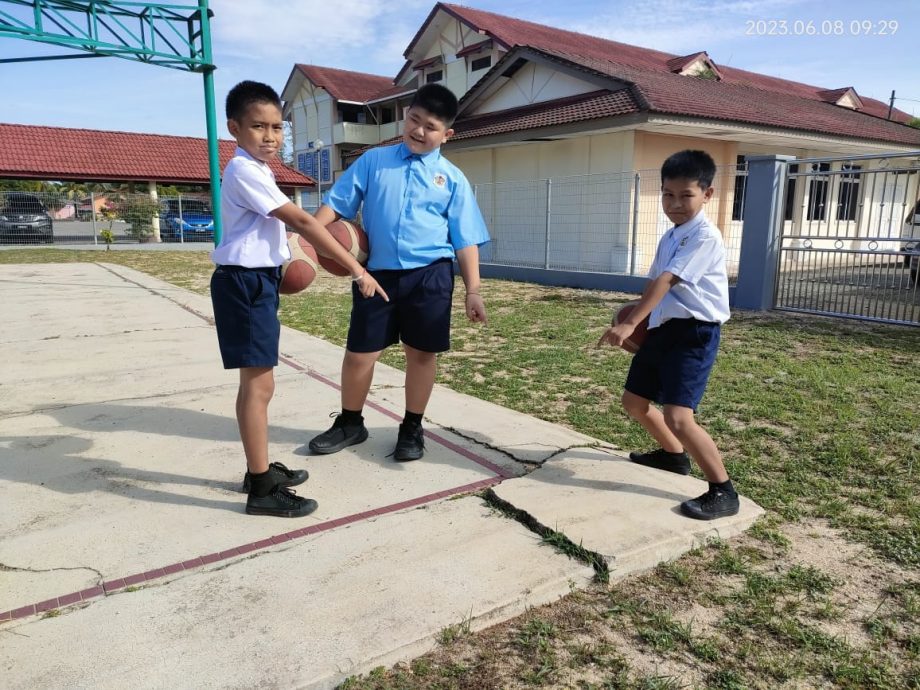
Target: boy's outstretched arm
[(468, 258), (651, 296), (316, 234)]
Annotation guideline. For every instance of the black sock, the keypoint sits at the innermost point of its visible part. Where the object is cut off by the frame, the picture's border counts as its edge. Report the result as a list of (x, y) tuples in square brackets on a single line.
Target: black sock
[(725, 486), (352, 417), (413, 417), (260, 484)]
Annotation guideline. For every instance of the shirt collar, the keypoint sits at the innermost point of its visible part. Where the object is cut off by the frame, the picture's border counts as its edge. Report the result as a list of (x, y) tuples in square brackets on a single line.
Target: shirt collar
[(426, 158), (240, 151), (694, 222)]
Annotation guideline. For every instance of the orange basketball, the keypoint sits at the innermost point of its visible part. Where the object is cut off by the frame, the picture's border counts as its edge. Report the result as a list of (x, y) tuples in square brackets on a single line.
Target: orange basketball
[(352, 237), (633, 342), (300, 271)]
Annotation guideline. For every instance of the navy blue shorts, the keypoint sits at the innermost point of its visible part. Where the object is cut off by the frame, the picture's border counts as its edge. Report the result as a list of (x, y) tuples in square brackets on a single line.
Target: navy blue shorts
[(246, 315), (418, 312), (672, 366)]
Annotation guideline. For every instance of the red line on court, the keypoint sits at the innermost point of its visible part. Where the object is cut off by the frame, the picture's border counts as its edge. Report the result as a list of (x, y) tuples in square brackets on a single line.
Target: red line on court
[(450, 445), (120, 583)]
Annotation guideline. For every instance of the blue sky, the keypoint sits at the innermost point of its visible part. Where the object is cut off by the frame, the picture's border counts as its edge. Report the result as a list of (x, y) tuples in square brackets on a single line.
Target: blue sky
[(262, 39)]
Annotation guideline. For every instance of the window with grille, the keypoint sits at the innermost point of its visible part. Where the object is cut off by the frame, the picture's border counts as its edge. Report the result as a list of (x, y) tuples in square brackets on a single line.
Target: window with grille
[(740, 188), (817, 192), (848, 197), (789, 210)]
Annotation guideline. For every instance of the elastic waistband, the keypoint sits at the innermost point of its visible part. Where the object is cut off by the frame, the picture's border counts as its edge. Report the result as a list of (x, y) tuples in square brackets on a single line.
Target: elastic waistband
[(689, 320), (270, 270)]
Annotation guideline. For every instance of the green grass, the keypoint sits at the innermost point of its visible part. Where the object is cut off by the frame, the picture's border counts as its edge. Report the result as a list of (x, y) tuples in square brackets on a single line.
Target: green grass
[(818, 421)]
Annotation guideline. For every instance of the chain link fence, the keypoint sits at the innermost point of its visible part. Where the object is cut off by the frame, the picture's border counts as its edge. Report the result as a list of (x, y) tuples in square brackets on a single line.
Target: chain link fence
[(602, 223), (43, 218)]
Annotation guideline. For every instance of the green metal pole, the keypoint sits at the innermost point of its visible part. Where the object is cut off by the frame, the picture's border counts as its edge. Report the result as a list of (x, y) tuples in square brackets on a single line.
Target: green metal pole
[(211, 117)]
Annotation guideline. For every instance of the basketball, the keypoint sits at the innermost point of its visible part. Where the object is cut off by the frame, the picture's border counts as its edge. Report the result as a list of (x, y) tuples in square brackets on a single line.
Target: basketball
[(300, 270), (633, 342), (352, 237)]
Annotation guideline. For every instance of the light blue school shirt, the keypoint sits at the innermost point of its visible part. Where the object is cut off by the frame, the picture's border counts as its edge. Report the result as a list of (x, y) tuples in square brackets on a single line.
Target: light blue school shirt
[(695, 253), (417, 209)]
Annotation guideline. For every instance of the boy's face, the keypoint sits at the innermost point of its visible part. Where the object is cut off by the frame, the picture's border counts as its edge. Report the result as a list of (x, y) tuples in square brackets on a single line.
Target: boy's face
[(423, 131), (260, 132), (682, 199)]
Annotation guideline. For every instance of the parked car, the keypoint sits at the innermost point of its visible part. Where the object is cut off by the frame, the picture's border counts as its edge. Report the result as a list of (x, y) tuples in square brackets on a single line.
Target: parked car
[(24, 219), (911, 248), (188, 221), (84, 209)]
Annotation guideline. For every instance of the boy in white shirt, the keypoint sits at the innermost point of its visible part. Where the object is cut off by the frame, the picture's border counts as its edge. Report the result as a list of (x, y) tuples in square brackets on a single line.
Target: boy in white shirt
[(687, 300), (244, 286)]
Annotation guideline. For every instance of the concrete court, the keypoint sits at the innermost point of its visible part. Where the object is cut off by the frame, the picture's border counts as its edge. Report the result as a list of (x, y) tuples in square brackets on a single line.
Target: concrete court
[(126, 559)]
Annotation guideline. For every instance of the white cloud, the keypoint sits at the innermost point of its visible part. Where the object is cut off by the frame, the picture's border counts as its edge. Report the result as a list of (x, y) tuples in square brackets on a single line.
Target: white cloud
[(332, 33), (260, 28)]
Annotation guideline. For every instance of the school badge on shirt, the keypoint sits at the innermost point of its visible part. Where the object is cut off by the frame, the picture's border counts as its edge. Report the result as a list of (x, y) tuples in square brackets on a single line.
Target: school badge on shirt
[(440, 180)]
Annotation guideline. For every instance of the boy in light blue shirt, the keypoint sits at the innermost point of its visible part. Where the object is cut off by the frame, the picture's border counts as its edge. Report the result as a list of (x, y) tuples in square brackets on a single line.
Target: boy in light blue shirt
[(419, 213), (686, 300)]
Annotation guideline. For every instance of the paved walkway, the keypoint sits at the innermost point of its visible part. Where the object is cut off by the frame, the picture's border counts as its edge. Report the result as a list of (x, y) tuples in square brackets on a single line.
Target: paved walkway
[(126, 559)]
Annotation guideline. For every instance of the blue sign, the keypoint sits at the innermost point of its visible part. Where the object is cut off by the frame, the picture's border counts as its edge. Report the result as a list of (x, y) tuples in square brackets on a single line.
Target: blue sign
[(325, 166), (308, 164)]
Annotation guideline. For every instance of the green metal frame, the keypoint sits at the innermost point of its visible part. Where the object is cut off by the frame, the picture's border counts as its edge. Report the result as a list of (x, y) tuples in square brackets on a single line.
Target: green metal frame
[(156, 33)]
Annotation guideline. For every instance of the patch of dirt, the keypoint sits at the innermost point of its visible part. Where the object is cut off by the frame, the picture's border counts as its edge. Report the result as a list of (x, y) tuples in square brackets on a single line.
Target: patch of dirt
[(861, 577)]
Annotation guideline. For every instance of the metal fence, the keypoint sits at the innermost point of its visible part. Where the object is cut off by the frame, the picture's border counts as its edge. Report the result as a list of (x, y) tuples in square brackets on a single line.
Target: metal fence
[(849, 242), (604, 223), (42, 218)]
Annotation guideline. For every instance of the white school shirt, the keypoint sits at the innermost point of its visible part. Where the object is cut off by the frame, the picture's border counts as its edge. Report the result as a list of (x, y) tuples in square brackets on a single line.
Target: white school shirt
[(694, 252), (250, 237)]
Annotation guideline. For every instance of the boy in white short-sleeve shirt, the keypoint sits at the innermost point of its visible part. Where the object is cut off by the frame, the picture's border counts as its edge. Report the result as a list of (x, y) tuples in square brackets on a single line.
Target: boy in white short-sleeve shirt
[(686, 300), (245, 282)]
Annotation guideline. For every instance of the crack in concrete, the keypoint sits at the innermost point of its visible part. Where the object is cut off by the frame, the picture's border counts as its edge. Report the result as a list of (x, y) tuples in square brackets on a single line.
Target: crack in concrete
[(64, 406), (558, 540), (490, 446), (15, 569), (531, 464)]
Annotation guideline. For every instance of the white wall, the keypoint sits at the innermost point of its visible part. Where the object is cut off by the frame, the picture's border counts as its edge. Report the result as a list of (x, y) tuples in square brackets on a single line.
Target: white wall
[(534, 83)]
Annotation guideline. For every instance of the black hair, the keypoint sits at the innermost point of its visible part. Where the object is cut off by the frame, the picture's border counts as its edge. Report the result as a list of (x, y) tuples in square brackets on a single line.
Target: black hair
[(691, 165), (245, 94), (437, 100)]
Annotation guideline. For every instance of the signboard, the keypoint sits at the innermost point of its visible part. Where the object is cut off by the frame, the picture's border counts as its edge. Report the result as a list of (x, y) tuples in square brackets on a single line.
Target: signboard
[(316, 164), (307, 163), (325, 167)]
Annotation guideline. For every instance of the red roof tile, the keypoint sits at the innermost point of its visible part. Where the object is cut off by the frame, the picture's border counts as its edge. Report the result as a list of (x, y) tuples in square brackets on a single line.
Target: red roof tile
[(589, 106), (739, 95), (665, 92), (345, 85), (56, 153)]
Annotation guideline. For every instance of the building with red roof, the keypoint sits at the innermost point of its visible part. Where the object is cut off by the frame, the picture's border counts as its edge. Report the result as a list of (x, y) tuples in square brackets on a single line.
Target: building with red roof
[(526, 83), (537, 102), (31, 152)]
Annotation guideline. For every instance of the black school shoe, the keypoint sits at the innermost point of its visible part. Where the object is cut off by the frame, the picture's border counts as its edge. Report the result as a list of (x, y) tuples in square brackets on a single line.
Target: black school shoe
[(713, 504), (678, 463), (281, 476), (410, 444), (280, 503), (340, 435)]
